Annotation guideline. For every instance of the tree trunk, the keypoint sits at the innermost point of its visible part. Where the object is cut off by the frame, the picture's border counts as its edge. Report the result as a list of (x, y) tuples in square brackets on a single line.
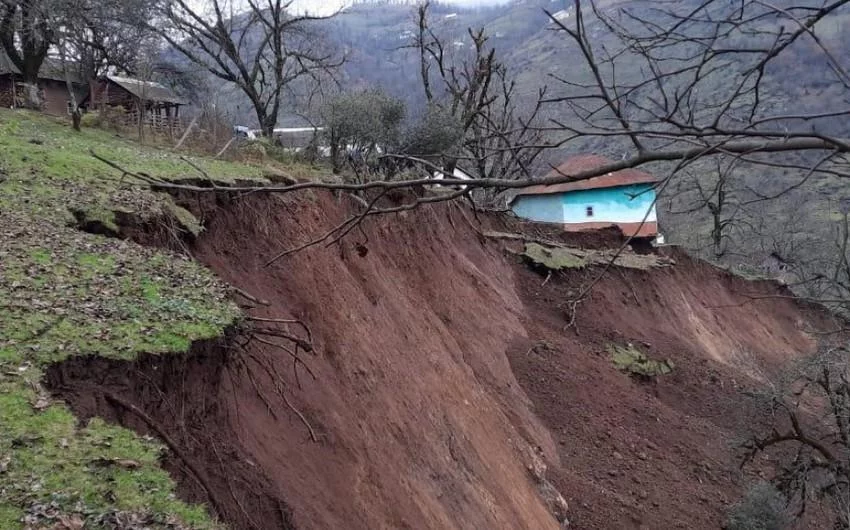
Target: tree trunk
[(76, 118), (30, 67), (717, 236), (31, 94), (334, 141), (141, 115), (268, 127), (266, 121)]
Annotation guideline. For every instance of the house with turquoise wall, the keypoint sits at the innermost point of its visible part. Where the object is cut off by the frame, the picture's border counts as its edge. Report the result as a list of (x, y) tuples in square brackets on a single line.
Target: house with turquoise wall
[(625, 199)]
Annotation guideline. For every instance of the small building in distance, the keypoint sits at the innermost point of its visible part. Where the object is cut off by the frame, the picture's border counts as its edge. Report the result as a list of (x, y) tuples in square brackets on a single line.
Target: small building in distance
[(52, 84), (625, 199), (161, 106)]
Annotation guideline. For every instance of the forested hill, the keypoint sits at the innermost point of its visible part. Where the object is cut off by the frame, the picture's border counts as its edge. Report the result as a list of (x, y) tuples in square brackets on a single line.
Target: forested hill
[(376, 35)]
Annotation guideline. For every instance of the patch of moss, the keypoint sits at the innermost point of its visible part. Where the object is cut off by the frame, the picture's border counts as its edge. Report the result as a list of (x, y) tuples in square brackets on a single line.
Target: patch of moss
[(562, 257), (554, 258), (185, 219), (630, 360)]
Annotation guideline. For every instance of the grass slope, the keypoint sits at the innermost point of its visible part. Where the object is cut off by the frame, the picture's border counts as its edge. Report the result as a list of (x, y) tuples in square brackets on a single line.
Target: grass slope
[(65, 293)]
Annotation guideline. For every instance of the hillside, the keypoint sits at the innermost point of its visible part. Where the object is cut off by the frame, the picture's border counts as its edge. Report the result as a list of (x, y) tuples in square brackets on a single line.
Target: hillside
[(66, 293), (441, 379), (522, 34)]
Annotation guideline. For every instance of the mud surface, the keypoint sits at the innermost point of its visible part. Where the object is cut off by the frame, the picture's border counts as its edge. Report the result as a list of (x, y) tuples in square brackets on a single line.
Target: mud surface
[(442, 367), (656, 454), (187, 399)]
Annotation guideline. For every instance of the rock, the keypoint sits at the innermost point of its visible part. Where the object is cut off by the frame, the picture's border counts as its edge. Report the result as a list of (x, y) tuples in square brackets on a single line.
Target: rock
[(537, 468), (556, 502), (618, 456), (642, 456)]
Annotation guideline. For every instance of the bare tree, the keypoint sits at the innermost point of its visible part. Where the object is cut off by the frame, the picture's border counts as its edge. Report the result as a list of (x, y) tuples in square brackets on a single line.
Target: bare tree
[(494, 138), (261, 48), (110, 34), (705, 91), (713, 190), (810, 433), (73, 104)]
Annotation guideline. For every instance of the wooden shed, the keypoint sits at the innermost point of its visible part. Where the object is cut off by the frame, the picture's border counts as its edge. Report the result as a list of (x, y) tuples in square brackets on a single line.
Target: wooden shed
[(53, 87), (159, 105)]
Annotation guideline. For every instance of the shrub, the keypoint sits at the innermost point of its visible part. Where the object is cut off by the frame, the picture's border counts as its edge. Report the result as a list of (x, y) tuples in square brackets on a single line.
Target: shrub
[(362, 123), (762, 508), (111, 117), (90, 119)]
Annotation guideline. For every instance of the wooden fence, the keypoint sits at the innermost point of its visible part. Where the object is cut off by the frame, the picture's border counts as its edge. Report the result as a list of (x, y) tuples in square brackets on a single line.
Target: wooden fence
[(157, 122)]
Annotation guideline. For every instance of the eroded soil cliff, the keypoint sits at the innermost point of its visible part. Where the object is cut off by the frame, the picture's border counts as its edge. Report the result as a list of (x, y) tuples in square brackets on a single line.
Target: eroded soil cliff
[(443, 373)]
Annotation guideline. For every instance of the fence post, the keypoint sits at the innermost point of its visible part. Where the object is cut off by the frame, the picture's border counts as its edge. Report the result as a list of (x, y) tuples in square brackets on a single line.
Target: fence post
[(187, 131)]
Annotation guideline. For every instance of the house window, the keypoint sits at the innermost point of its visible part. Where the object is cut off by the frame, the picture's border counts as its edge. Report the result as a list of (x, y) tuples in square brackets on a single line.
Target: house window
[(589, 211)]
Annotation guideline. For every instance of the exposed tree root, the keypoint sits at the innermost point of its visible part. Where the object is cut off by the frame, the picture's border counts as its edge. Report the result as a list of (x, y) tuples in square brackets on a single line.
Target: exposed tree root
[(199, 475), (248, 296)]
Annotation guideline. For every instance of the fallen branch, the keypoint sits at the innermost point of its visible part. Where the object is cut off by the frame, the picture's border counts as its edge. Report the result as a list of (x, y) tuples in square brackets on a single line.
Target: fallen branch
[(223, 149), (722, 146), (341, 230), (200, 170), (573, 312), (334, 234), (310, 243)]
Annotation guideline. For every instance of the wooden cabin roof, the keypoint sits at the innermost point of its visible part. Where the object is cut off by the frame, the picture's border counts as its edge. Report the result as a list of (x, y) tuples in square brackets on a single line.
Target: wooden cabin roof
[(51, 69), (147, 90)]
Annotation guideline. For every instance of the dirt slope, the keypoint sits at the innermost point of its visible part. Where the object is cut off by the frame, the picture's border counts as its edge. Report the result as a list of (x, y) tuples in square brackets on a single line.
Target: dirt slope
[(442, 369), (659, 454)]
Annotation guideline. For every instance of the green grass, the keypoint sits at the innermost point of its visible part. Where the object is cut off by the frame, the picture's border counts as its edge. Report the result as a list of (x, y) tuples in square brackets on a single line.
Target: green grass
[(66, 293), (555, 258), (560, 258)]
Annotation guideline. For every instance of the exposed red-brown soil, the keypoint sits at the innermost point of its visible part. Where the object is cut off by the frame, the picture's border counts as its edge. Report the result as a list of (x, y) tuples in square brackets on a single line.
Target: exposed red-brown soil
[(443, 367), (659, 454)]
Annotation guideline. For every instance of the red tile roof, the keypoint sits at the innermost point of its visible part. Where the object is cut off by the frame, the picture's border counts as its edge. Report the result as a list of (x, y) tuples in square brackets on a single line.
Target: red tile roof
[(582, 163)]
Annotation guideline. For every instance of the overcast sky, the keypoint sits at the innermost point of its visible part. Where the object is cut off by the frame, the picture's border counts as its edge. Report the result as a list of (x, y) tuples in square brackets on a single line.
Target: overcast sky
[(329, 6)]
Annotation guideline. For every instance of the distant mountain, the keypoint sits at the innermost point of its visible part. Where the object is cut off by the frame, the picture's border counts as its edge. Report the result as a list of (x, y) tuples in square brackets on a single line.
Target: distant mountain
[(374, 36)]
